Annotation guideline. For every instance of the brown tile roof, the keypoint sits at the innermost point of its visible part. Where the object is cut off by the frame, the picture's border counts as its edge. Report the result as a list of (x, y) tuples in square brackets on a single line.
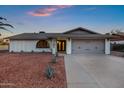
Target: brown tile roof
[(37, 36), (81, 29), (118, 37), (67, 34), (28, 36)]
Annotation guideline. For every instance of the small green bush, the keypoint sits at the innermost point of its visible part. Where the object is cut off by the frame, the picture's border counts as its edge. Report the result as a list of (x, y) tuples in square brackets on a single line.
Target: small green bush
[(49, 72)]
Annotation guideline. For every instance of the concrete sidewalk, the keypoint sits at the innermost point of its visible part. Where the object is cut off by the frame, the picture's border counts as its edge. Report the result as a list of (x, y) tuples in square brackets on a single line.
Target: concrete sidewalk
[(94, 71)]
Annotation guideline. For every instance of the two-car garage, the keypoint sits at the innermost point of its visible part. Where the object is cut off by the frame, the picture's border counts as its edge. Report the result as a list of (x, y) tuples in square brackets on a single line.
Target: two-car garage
[(88, 46)]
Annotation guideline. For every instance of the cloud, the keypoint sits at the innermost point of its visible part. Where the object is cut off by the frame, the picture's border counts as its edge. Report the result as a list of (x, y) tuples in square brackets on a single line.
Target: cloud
[(63, 6), (47, 11), (20, 23)]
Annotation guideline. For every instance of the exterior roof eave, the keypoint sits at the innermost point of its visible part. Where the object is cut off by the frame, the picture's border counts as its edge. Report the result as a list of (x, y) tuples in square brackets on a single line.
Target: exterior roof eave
[(117, 38), (83, 36), (49, 36)]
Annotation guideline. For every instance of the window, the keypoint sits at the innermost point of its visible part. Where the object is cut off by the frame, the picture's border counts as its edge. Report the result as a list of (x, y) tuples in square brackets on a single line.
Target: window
[(42, 44)]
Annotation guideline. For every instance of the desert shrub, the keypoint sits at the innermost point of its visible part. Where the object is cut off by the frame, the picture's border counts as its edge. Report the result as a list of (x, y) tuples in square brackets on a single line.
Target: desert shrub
[(56, 54), (117, 47), (49, 72), (12, 51), (53, 59), (43, 51)]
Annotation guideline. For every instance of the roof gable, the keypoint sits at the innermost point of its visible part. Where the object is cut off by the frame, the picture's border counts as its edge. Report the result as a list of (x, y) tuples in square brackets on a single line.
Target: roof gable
[(80, 31)]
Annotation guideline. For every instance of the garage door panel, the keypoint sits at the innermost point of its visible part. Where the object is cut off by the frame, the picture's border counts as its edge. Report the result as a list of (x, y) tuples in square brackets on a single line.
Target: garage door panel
[(87, 46)]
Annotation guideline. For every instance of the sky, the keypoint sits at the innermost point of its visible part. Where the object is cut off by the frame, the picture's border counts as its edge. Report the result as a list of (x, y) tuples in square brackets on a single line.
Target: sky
[(61, 18)]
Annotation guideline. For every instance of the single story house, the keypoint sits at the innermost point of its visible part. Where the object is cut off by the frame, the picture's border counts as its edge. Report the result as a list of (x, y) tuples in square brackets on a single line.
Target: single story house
[(119, 38), (75, 41)]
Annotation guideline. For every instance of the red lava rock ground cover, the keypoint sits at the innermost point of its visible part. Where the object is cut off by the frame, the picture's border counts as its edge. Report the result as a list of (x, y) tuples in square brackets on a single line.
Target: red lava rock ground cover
[(27, 70)]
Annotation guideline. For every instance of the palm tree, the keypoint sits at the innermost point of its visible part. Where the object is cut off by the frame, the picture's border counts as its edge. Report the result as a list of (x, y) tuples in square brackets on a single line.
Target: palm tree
[(4, 25)]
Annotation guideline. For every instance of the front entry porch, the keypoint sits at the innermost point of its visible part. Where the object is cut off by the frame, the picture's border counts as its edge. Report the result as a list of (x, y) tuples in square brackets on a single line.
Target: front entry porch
[(61, 46)]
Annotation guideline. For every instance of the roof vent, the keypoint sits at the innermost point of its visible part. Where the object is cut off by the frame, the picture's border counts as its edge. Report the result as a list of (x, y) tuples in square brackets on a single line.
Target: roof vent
[(42, 32)]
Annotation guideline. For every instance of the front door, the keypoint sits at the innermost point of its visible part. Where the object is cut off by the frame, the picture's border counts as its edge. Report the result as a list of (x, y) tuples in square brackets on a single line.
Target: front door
[(61, 45)]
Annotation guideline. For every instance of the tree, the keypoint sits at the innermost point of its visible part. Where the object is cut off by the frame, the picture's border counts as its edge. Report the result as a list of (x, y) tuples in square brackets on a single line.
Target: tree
[(115, 31), (3, 25)]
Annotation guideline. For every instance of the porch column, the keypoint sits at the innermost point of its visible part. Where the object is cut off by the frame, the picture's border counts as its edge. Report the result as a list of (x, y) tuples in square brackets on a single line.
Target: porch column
[(68, 46), (54, 46), (107, 46)]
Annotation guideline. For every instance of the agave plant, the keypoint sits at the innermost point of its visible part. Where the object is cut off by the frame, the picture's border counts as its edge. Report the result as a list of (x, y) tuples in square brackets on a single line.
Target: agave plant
[(49, 72), (3, 25)]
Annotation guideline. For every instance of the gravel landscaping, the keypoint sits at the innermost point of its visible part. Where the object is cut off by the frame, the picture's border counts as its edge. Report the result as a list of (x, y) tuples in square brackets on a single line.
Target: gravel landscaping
[(28, 70)]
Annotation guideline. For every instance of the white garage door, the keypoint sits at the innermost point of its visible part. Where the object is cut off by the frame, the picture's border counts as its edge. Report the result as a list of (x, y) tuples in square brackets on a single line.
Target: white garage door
[(87, 46)]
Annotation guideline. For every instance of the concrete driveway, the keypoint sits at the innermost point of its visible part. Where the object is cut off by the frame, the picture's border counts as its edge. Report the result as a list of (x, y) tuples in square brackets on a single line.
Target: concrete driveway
[(93, 71)]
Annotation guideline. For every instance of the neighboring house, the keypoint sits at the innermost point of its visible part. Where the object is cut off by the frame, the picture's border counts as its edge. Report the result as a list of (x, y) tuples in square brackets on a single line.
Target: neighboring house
[(75, 41), (119, 38)]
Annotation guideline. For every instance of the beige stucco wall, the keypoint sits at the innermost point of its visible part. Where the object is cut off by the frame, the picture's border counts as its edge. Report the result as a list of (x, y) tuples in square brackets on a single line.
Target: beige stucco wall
[(27, 46), (72, 46)]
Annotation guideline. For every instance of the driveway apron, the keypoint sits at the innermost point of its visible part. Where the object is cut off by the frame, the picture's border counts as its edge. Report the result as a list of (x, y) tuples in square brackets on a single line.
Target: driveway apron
[(94, 71)]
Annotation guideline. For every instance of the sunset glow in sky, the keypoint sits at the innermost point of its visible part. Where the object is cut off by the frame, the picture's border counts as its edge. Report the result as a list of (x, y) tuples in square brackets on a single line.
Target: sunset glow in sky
[(60, 18)]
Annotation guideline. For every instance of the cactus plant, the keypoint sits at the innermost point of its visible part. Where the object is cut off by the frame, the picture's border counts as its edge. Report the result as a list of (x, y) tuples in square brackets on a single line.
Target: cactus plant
[(49, 72)]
